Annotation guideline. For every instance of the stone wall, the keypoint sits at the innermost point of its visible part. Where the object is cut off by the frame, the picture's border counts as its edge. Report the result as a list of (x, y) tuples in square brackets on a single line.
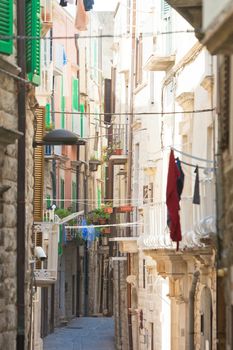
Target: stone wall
[(8, 216)]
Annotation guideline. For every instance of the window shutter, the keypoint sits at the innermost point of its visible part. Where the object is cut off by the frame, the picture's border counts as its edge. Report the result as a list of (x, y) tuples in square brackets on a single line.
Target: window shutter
[(39, 166), (47, 115), (82, 120), (6, 25), (165, 9), (224, 81), (62, 193), (75, 93), (74, 195), (32, 17)]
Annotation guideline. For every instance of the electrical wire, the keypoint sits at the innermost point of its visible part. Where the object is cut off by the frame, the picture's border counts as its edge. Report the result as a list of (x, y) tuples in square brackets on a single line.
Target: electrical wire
[(77, 36), (124, 224), (136, 113)]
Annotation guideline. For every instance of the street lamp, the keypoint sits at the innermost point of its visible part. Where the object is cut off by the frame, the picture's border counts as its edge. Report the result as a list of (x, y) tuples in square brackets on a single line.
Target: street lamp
[(60, 137)]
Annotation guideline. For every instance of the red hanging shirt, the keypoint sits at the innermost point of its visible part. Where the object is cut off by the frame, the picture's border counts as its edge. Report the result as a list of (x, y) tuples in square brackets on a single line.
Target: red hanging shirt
[(172, 200)]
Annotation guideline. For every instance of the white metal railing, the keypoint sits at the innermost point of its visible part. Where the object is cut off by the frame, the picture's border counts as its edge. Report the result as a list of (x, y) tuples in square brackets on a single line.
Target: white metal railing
[(155, 231)]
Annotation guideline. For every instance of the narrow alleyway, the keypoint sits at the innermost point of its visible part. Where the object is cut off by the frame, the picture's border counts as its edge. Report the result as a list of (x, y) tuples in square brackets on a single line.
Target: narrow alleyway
[(86, 333)]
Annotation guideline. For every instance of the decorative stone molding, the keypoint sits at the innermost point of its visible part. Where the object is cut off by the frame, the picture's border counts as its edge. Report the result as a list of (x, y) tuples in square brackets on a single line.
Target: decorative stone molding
[(186, 100), (132, 279), (208, 83)]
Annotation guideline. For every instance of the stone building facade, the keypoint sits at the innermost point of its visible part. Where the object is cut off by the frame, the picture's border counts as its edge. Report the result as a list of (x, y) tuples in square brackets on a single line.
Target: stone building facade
[(12, 328), (171, 294)]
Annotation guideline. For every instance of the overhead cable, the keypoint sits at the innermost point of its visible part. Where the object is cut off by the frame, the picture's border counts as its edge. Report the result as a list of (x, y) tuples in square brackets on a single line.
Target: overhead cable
[(77, 36), (137, 113)]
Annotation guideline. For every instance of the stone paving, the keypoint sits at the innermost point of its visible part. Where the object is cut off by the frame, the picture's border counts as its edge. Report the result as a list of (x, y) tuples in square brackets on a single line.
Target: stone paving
[(84, 333)]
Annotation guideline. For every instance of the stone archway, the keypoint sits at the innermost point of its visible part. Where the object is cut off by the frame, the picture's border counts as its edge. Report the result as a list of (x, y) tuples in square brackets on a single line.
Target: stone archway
[(206, 319)]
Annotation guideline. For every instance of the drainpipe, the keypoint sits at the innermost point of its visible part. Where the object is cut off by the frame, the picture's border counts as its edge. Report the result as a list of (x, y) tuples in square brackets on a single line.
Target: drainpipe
[(20, 340), (196, 275)]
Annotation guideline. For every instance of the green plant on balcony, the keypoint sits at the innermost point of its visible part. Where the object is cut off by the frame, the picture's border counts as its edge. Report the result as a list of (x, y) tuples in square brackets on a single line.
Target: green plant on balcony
[(98, 216), (94, 163), (49, 127)]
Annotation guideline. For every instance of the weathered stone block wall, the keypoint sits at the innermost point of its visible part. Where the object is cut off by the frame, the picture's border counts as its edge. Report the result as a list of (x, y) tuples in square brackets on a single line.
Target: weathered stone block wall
[(120, 304), (8, 217)]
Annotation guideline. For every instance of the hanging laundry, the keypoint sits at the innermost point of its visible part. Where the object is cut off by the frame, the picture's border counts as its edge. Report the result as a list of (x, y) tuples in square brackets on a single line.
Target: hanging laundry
[(70, 2), (172, 200), (88, 4), (81, 19), (180, 181), (84, 230), (196, 194), (63, 3)]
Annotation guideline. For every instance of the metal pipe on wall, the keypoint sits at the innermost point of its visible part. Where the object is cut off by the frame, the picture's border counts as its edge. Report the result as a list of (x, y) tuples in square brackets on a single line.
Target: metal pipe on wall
[(196, 275), (21, 234)]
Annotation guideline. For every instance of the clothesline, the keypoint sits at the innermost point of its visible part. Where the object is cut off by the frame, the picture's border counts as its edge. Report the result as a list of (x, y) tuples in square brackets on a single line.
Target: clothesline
[(191, 156), (194, 166), (124, 224)]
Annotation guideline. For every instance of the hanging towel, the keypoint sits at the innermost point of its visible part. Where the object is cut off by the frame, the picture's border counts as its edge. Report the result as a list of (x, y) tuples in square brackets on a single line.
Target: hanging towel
[(180, 181), (196, 194), (88, 4), (63, 3), (81, 19), (172, 200)]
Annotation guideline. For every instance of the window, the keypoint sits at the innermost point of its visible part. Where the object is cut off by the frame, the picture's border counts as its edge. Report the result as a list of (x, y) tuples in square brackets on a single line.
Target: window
[(167, 26), (144, 273), (148, 195), (32, 18), (6, 25)]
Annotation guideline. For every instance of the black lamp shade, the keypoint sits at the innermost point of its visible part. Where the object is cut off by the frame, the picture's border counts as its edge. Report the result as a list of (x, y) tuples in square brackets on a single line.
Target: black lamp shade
[(60, 137)]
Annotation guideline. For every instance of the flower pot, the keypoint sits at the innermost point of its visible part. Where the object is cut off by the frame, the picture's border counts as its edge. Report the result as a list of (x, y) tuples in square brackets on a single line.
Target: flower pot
[(125, 209), (93, 165), (118, 152), (102, 221), (106, 230)]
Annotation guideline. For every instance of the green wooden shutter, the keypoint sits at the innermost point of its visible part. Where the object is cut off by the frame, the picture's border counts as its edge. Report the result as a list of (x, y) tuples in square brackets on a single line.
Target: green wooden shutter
[(47, 116), (6, 25), (48, 201), (74, 195), (32, 17), (99, 197), (75, 92), (63, 105), (62, 193), (82, 120)]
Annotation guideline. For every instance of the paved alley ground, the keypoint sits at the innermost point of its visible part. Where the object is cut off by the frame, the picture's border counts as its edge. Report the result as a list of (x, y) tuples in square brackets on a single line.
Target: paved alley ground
[(84, 333)]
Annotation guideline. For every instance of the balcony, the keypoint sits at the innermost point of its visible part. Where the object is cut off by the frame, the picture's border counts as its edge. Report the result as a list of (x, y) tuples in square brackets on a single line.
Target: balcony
[(197, 222), (46, 16), (119, 149), (191, 10), (217, 26), (159, 63), (46, 236)]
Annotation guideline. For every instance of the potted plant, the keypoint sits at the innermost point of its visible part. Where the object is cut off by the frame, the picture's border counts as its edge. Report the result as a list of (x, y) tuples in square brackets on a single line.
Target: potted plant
[(94, 163), (108, 208), (117, 149), (99, 216), (106, 230), (125, 208)]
